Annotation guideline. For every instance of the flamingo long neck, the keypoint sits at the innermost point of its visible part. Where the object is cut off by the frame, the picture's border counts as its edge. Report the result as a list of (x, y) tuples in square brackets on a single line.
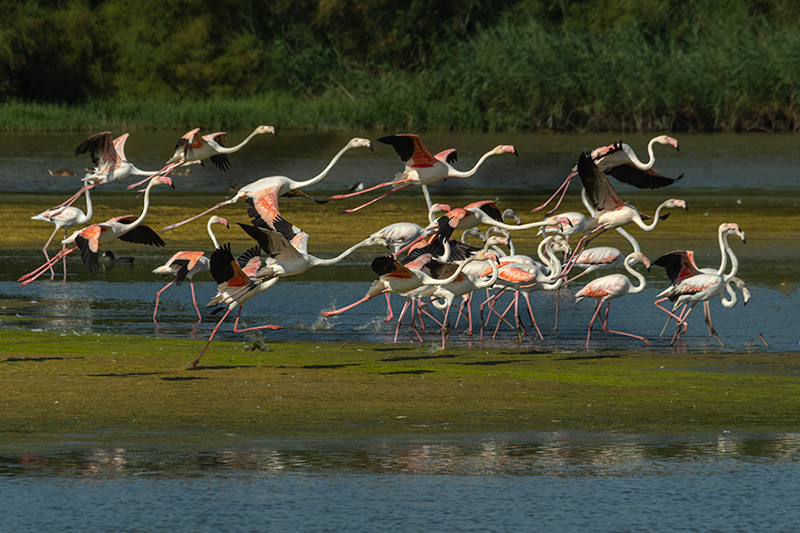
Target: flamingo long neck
[(211, 233), (631, 239), (491, 280), (467, 173), (318, 177), (732, 300), (639, 164), (645, 227), (89, 212), (492, 222), (734, 262), (226, 150), (427, 280), (316, 261), (635, 288), (145, 207)]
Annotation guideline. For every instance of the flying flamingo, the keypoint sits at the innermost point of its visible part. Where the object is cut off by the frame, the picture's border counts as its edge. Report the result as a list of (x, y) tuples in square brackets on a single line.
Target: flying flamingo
[(193, 148), (422, 167), (262, 195), (291, 258), (124, 228), (186, 265), (64, 217), (691, 285), (395, 277), (613, 286), (109, 160), (611, 212), (234, 288), (620, 161)]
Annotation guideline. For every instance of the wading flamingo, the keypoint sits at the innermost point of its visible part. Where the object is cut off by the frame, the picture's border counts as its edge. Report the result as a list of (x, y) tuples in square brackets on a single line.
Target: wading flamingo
[(691, 285), (613, 286), (262, 195), (186, 265), (620, 161), (124, 228), (64, 217), (422, 167)]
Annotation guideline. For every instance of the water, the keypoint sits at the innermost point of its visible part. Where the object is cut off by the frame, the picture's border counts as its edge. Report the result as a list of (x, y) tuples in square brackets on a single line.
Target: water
[(188, 479), (558, 481)]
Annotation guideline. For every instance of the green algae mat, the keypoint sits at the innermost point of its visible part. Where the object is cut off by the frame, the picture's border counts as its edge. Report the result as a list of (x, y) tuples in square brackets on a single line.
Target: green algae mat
[(67, 384)]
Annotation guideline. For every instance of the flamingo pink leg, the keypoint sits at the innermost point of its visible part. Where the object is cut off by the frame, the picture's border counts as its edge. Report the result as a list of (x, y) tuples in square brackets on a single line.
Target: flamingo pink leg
[(400, 317), (158, 297), (236, 325), (389, 312), (362, 191), (213, 332), (194, 301), (562, 189), (384, 195), (352, 305), (207, 211), (31, 276)]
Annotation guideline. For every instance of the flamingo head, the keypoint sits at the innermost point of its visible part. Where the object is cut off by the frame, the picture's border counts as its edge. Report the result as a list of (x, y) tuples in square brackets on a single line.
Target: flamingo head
[(510, 213), (166, 180), (638, 257), (495, 240), (219, 220), (665, 139), (731, 228), (558, 221), (505, 149), (358, 141), (672, 202), (742, 287), (266, 129), (558, 244)]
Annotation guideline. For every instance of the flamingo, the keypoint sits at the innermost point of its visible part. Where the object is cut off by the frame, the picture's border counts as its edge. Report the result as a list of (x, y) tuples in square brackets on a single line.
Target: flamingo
[(611, 212), (186, 265), (395, 277), (524, 275), (422, 167), (463, 285), (290, 259), (109, 160), (262, 195), (613, 286), (234, 288), (88, 239), (64, 217), (193, 148), (620, 161), (691, 285)]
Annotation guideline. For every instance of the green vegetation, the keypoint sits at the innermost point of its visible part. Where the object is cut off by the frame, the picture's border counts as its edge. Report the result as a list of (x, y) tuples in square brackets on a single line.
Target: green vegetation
[(466, 65), (74, 384)]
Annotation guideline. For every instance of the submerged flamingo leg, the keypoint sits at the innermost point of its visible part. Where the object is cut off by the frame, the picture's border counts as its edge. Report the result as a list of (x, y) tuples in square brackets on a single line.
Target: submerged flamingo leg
[(400, 317), (47, 257), (589, 334), (533, 320), (605, 328), (31, 276), (709, 323), (352, 305)]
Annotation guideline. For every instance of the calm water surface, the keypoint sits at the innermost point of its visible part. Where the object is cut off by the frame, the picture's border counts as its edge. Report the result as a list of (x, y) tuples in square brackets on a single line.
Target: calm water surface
[(123, 481)]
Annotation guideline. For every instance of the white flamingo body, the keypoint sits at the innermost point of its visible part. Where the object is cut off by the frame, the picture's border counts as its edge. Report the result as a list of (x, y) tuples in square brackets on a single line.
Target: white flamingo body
[(64, 218), (262, 195)]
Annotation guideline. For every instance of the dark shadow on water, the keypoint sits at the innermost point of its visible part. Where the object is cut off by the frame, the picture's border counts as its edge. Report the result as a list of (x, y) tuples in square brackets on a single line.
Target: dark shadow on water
[(182, 378)]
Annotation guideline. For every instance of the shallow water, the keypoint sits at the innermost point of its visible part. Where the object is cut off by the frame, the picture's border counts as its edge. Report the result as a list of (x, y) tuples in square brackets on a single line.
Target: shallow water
[(188, 479), (556, 480)]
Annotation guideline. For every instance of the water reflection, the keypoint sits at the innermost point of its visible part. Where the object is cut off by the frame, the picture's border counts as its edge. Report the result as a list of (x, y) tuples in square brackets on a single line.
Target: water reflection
[(550, 454)]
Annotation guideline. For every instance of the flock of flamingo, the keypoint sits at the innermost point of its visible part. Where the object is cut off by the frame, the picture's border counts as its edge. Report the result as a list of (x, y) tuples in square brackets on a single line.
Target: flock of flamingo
[(427, 265)]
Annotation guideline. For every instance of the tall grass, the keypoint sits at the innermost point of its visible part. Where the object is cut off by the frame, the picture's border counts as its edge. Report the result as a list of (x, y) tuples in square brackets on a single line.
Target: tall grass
[(718, 71)]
